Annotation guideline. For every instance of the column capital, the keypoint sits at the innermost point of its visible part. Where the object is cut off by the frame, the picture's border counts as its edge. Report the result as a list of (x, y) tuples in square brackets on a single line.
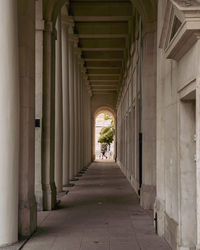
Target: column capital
[(48, 26), (69, 22), (39, 25), (78, 52), (149, 27), (81, 61), (73, 38), (54, 33), (83, 69)]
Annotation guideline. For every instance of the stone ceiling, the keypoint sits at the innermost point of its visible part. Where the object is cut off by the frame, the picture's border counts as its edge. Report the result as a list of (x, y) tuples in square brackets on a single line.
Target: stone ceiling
[(104, 29)]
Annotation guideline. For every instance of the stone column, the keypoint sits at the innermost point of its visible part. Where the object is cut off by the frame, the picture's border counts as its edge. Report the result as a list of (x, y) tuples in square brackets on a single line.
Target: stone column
[(75, 116), (148, 190), (58, 111), (48, 184), (66, 120), (9, 123), (82, 118), (77, 56), (198, 163), (79, 111), (89, 127), (85, 127), (27, 203), (71, 106), (38, 102)]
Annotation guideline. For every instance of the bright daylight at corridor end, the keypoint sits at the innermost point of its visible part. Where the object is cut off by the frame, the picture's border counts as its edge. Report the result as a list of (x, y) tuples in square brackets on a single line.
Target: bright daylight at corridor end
[(100, 125)]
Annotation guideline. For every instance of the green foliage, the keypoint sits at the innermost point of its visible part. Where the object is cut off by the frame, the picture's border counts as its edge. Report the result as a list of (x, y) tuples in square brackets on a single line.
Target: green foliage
[(107, 117), (106, 135)]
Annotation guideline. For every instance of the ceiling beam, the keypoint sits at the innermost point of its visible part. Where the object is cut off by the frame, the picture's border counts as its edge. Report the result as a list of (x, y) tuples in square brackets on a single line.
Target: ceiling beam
[(103, 60), (100, 8), (101, 18), (105, 86), (100, 36), (103, 81), (103, 74), (102, 49), (95, 67)]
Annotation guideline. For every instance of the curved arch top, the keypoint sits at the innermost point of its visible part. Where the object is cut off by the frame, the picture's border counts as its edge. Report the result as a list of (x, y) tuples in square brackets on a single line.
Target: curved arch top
[(52, 8), (147, 9), (104, 109)]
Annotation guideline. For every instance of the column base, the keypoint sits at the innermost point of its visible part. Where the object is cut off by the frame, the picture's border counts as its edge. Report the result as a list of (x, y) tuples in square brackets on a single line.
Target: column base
[(74, 179), (159, 214), (8, 244), (187, 248), (49, 197), (39, 197), (69, 185), (148, 195), (27, 218), (171, 232)]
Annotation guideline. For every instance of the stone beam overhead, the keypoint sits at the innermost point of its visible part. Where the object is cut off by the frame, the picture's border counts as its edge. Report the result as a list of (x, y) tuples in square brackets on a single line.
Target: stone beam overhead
[(101, 18), (109, 28), (101, 8), (108, 64), (104, 78), (103, 29), (110, 55)]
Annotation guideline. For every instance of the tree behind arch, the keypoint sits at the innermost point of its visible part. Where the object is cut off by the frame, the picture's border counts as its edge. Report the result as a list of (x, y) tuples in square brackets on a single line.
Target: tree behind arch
[(107, 134)]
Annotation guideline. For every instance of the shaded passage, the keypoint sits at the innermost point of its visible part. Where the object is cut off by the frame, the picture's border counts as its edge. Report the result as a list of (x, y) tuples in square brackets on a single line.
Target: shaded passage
[(100, 212)]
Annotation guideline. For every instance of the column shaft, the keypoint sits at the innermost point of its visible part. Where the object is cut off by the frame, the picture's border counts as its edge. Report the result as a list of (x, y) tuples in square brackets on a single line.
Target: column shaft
[(48, 184), (38, 102), (9, 123), (71, 109), (75, 116), (58, 112), (66, 120), (27, 203)]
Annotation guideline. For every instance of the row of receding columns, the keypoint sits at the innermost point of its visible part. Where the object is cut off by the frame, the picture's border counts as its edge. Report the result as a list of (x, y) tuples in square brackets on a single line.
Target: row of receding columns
[(42, 78), (137, 117), (62, 152)]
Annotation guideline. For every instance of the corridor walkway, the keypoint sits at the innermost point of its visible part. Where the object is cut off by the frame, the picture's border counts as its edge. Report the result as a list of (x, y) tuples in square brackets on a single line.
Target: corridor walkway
[(101, 212)]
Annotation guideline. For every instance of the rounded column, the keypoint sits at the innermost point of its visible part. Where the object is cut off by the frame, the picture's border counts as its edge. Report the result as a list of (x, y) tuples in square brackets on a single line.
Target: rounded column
[(48, 183), (71, 106), (65, 78), (9, 123), (58, 111)]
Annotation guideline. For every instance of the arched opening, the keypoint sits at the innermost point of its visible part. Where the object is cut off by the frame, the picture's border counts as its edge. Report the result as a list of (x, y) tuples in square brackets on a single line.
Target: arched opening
[(104, 136), (103, 118)]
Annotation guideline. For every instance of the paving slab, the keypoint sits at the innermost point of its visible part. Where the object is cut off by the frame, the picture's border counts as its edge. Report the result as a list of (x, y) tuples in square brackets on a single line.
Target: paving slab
[(101, 212)]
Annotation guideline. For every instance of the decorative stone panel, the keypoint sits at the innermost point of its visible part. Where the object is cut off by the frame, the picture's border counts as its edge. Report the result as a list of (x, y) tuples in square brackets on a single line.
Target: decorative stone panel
[(181, 27)]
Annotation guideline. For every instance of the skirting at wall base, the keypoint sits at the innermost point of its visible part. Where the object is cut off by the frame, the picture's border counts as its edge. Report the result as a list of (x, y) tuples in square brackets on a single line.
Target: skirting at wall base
[(159, 214), (148, 194), (171, 232)]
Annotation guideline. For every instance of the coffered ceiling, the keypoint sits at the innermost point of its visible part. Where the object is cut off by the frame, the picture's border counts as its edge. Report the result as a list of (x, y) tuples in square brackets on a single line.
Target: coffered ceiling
[(104, 29)]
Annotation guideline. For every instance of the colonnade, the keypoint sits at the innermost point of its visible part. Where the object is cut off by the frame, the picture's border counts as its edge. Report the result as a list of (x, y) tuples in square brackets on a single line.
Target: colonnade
[(65, 138), (45, 123), (136, 115)]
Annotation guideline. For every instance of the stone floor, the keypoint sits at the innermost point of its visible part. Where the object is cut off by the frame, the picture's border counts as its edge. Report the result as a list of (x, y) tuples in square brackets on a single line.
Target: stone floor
[(101, 212)]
